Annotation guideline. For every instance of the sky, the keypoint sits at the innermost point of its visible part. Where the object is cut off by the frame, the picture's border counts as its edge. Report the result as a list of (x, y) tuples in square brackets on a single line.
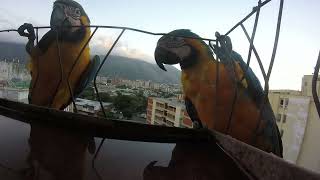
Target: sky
[(298, 48)]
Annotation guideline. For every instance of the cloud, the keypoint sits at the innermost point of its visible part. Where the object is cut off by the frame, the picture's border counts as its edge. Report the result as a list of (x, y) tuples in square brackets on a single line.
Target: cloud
[(102, 43), (99, 44), (9, 20)]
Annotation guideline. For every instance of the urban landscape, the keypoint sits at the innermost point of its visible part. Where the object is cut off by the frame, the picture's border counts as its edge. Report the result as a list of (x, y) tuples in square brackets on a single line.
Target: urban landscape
[(162, 104), (159, 90)]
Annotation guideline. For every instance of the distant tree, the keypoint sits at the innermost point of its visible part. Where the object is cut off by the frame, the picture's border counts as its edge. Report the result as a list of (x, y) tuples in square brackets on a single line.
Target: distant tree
[(125, 104), (105, 97), (141, 102), (88, 93), (168, 95), (109, 114), (118, 93), (121, 87), (130, 105)]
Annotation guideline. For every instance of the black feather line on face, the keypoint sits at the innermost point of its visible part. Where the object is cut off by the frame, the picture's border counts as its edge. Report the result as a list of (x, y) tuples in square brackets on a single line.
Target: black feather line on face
[(191, 60)]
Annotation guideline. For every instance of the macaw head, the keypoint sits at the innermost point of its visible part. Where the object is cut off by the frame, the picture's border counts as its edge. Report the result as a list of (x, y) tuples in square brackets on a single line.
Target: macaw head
[(68, 13), (180, 47)]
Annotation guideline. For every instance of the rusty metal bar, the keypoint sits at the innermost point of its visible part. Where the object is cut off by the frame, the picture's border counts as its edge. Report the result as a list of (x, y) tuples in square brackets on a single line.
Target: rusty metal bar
[(314, 85), (262, 165), (99, 127)]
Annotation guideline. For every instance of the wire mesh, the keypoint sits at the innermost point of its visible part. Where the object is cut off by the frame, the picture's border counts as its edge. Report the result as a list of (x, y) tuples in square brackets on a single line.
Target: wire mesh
[(218, 42)]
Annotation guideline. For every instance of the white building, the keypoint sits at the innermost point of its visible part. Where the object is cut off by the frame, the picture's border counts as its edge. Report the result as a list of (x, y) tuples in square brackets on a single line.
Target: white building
[(89, 107), (13, 70), (14, 94), (167, 112), (299, 124)]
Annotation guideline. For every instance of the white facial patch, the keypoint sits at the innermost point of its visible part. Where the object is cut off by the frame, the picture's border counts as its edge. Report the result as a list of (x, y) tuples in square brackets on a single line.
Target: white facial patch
[(72, 12), (182, 52)]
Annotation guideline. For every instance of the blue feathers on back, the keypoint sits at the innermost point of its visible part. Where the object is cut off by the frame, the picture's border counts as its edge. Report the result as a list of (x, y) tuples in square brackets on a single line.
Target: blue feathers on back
[(254, 86)]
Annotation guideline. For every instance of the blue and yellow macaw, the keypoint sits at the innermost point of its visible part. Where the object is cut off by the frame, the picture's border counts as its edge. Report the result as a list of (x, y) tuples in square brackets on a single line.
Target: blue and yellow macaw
[(230, 106), (49, 86), (53, 61)]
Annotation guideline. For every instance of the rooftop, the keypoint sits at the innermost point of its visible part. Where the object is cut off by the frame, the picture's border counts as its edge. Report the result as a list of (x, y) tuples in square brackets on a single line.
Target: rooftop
[(86, 102), (171, 101), (286, 91)]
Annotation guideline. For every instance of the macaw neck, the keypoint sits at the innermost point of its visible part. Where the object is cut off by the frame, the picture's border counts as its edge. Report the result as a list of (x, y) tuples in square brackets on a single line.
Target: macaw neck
[(194, 77), (201, 63)]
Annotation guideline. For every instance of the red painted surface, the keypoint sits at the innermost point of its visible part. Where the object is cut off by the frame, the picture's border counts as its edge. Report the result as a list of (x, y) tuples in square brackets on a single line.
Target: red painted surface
[(187, 122)]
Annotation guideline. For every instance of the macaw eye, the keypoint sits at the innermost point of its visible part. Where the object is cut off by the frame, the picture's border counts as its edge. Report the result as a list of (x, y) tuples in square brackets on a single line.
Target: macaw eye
[(73, 12), (77, 12), (174, 38)]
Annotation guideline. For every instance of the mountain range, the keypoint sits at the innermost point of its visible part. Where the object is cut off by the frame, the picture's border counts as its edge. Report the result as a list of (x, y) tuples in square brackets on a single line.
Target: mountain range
[(115, 66)]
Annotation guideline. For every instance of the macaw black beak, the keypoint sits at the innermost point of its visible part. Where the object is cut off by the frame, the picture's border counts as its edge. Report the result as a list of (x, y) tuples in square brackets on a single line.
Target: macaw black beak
[(58, 17), (60, 20), (163, 56)]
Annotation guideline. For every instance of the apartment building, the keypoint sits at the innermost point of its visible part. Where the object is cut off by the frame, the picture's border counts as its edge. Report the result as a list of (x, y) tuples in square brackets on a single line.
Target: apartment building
[(88, 107), (14, 94), (167, 112), (13, 70), (299, 124)]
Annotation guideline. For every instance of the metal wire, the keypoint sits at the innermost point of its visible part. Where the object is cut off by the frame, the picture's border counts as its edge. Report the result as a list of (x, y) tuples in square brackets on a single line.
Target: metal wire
[(217, 81), (274, 51), (229, 64), (98, 96), (95, 157), (127, 28), (255, 53), (123, 29), (248, 16), (103, 61), (37, 36), (8, 30), (81, 51), (37, 75), (62, 76), (252, 39), (252, 48)]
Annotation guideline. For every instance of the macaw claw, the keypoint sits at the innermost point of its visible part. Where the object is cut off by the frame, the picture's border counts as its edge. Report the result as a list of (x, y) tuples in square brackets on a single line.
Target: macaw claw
[(30, 31)]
